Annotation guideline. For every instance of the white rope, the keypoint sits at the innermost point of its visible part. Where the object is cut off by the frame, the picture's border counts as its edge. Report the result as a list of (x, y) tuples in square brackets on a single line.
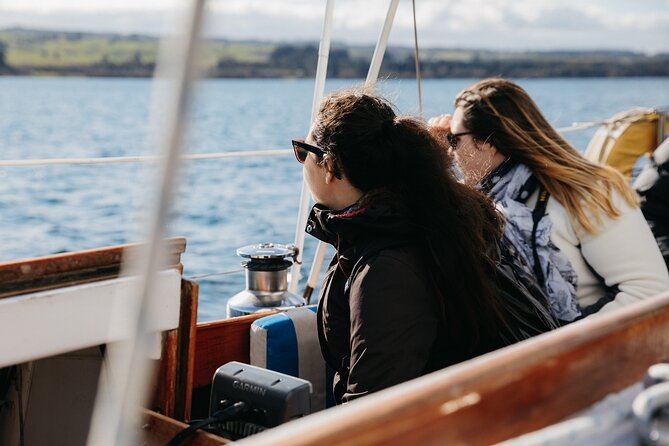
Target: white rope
[(201, 156), (589, 124), (208, 156), (222, 273), (580, 126), (143, 158)]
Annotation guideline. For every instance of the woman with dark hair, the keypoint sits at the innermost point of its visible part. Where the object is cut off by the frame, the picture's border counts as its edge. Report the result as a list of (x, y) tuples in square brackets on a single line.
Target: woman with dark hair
[(409, 289), (576, 223)]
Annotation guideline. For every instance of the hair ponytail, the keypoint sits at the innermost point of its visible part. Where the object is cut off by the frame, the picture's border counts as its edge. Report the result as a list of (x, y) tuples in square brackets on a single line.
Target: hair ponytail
[(388, 126), (397, 157)]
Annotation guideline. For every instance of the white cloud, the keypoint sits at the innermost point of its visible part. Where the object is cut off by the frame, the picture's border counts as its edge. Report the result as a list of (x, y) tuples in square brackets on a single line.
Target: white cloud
[(521, 24), (55, 6)]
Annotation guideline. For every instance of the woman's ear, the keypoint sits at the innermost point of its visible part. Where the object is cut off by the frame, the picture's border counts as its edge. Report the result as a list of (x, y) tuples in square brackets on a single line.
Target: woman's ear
[(329, 171)]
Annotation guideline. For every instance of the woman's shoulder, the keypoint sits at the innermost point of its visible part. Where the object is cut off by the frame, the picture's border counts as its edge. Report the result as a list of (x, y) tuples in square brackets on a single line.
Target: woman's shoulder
[(558, 212), (389, 280), (390, 265), (619, 201), (628, 215), (405, 258)]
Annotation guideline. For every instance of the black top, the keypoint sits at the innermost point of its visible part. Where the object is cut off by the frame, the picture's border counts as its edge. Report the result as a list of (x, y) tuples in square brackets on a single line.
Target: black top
[(382, 326)]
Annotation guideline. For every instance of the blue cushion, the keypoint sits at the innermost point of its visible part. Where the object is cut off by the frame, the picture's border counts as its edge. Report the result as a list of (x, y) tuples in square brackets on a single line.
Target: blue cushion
[(288, 343)]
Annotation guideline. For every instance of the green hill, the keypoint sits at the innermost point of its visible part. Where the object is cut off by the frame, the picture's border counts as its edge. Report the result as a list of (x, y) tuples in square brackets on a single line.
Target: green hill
[(36, 52), (53, 49)]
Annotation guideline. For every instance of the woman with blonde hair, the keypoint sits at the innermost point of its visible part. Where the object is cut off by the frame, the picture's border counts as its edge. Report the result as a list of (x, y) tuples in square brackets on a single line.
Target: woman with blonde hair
[(575, 223)]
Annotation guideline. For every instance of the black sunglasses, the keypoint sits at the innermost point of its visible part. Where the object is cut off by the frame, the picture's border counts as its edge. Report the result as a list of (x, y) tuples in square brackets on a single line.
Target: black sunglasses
[(454, 138), (302, 150)]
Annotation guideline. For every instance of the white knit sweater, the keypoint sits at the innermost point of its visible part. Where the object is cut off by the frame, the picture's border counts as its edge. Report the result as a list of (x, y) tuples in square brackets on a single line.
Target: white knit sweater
[(623, 253)]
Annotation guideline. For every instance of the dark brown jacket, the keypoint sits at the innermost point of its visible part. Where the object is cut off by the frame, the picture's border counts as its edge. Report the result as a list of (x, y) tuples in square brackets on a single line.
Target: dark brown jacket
[(384, 329), (380, 320)]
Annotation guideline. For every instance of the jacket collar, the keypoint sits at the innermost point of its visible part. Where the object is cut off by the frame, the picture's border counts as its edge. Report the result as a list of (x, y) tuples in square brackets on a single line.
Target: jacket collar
[(369, 219)]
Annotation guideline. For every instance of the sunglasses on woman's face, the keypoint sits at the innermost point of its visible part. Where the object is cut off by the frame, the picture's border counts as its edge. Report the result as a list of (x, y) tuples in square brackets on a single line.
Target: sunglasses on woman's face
[(454, 138), (302, 150)]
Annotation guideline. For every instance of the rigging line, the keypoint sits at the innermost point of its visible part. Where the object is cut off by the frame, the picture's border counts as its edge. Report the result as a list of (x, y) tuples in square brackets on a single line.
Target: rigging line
[(372, 76), (583, 125), (319, 92), (381, 44), (143, 158), (576, 126), (222, 273), (417, 57), (216, 155)]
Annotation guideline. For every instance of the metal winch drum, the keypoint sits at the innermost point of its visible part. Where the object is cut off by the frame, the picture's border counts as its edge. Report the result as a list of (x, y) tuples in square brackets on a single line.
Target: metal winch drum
[(266, 280)]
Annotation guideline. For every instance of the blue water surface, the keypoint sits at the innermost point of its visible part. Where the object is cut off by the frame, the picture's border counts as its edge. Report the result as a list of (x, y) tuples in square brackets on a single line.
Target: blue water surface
[(221, 204)]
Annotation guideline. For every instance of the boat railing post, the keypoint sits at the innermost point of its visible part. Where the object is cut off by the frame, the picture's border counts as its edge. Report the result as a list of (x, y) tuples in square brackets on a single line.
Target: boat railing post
[(123, 384), (305, 195)]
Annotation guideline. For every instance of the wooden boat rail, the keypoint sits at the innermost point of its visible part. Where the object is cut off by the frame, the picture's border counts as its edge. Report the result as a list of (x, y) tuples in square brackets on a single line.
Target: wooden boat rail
[(500, 395), (489, 399), (72, 268), (158, 430), (173, 392)]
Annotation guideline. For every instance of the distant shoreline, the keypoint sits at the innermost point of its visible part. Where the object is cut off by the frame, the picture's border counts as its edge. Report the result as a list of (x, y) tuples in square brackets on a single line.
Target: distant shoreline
[(384, 76), (443, 71), (54, 53)]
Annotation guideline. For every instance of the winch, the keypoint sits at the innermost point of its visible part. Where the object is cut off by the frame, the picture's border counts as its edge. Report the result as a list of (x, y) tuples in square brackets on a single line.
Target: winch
[(266, 280)]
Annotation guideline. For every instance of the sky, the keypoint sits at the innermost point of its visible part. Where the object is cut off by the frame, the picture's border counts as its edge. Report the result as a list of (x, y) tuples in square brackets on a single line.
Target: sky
[(638, 25)]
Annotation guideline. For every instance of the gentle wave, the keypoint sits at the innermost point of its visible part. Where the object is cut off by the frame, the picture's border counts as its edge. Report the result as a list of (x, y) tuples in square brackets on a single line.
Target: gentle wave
[(221, 204)]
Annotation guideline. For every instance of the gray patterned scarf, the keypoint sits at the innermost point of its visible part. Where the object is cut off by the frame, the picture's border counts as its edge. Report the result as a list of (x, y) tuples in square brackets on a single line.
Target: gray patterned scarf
[(505, 186)]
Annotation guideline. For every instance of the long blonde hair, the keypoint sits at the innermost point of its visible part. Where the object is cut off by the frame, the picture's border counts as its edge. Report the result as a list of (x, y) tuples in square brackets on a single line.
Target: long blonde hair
[(501, 113)]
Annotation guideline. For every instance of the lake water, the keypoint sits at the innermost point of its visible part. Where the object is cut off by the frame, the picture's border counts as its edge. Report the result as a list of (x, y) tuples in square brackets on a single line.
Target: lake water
[(221, 204)]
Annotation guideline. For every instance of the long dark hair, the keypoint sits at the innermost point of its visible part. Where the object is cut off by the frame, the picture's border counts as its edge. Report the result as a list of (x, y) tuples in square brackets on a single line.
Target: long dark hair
[(455, 225)]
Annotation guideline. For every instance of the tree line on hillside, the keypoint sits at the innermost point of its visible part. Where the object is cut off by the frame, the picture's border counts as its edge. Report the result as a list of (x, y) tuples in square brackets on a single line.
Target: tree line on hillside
[(299, 61), (3, 63), (294, 61)]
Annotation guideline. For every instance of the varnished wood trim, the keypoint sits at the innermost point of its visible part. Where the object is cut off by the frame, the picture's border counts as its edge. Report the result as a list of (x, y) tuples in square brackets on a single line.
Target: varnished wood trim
[(186, 349), (220, 342), (55, 271), (502, 394), (158, 429), (167, 376)]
